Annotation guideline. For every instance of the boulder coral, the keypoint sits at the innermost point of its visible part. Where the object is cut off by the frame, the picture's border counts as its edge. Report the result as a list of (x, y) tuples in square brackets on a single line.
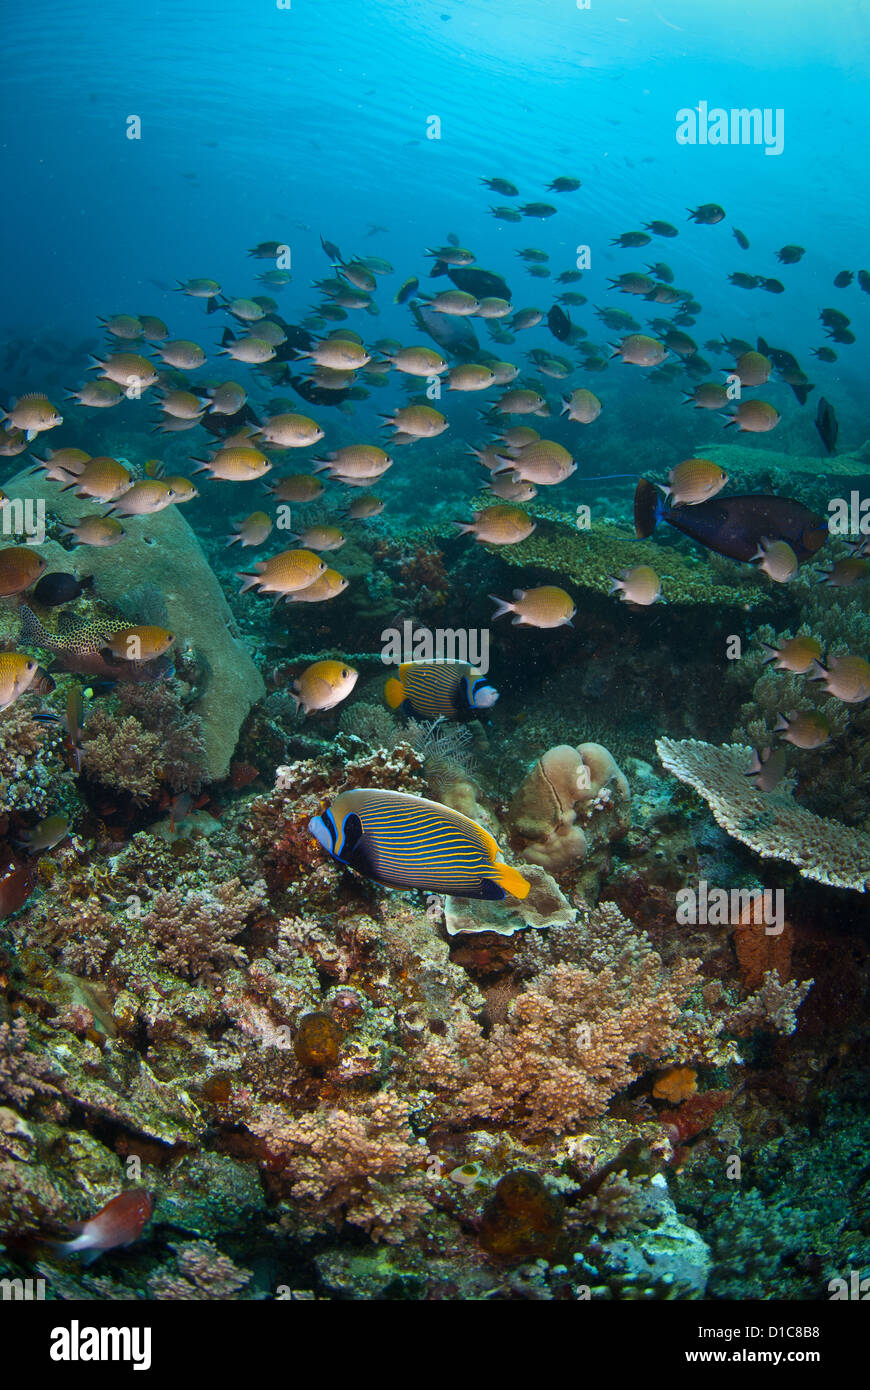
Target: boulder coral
[(571, 800), (161, 549)]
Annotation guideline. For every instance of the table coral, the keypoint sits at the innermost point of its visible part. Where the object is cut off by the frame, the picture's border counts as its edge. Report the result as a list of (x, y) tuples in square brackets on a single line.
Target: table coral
[(592, 557), (772, 824)]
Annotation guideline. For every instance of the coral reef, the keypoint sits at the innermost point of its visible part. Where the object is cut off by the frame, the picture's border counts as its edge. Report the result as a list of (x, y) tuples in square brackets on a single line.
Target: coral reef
[(30, 765)]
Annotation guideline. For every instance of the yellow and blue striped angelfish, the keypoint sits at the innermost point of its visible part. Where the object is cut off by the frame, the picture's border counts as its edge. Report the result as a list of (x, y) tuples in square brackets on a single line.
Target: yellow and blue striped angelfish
[(440, 690), (407, 842)]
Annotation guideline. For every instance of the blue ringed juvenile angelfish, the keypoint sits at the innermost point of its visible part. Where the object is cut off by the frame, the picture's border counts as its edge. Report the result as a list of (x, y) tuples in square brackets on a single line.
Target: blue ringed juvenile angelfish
[(407, 842)]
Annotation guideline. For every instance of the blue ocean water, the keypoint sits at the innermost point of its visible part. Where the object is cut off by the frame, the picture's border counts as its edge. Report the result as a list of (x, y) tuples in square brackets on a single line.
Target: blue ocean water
[(265, 122)]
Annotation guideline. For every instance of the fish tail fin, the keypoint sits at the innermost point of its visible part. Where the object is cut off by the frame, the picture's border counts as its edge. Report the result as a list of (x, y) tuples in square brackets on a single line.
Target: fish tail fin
[(393, 693), (729, 420), (31, 633), (249, 581), (781, 722), (503, 606), (648, 509), (73, 1247), (770, 653), (511, 880), (464, 527), (819, 672)]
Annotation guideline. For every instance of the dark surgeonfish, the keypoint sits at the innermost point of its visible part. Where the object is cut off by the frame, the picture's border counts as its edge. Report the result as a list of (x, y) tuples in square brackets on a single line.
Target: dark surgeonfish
[(781, 358), (450, 331), (734, 526), (483, 284), (827, 425), (559, 323), (222, 425), (311, 392), (789, 369), (406, 842)]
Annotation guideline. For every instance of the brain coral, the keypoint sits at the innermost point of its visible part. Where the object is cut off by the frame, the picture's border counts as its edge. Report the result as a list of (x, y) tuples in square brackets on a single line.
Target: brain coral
[(552, 810)]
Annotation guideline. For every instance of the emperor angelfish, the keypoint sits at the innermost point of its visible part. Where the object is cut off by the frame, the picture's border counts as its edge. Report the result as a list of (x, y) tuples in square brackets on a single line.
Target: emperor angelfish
[(440, 690), (406, 842)]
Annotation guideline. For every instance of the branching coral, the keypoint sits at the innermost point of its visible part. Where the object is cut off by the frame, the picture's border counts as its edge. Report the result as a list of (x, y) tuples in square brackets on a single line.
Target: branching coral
[(202, 1272), (194, 931), (771, 1008), (770, 823), (571, 1041), (28, 769), (361, 1164), (122, 755), (144, 740), (158, 707)]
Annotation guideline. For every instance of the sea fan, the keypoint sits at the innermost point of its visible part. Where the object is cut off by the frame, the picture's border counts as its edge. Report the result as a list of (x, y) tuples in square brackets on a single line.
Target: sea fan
[(444, 746)]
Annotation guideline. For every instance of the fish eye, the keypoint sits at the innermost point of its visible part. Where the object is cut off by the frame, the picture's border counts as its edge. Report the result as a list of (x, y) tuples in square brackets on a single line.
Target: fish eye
[(344, 673)]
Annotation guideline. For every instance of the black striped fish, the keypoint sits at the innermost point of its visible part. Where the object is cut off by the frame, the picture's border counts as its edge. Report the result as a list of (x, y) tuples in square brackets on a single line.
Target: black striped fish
[(439, 690), (407, 842)]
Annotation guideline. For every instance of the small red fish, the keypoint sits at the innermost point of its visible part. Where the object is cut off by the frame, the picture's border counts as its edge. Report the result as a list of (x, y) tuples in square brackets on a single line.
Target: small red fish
[(120, 1222), (242, 774), (179, 809)]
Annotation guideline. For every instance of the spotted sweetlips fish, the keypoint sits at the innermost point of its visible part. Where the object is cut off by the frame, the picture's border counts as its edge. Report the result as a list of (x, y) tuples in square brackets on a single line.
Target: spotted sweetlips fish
[(81, 645)]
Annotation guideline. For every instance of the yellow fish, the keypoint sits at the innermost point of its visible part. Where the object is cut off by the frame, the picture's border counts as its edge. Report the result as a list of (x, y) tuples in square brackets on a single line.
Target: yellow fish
[(323, 685)]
